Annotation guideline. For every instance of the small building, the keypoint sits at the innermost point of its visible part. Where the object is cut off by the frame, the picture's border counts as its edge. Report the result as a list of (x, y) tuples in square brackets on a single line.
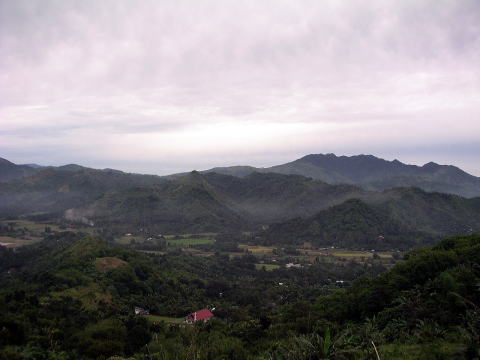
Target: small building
[(292, 265), (200, 315), (307, 245), (140, 311)]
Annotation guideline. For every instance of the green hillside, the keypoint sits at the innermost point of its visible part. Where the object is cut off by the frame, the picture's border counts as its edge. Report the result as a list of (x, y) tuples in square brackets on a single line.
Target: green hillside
[(399, 218), (71, 297), (212, 203), (172, 207), (54, 190), (271, 197)]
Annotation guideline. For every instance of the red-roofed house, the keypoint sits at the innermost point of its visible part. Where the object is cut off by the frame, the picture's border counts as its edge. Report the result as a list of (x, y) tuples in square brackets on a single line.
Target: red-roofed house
[(199, 315)]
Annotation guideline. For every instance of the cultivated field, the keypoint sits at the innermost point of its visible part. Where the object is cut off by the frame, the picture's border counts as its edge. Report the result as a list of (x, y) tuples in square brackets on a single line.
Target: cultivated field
[(189, 241), (268, 267)]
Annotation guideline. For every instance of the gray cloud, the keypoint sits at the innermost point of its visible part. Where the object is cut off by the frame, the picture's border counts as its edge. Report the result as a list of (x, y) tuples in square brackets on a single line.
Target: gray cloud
[(141, 84)]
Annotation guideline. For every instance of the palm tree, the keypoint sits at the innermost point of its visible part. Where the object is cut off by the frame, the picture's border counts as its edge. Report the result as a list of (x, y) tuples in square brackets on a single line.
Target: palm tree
[(312, 347)]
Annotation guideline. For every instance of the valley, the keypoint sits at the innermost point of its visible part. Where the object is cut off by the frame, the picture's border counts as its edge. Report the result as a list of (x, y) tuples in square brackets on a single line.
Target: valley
[(239, 180), (100, 264)]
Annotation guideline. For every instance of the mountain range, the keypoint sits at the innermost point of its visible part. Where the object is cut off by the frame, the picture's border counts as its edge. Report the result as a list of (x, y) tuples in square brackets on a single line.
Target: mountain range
[(371, 173), (365, 171), (291, 208)]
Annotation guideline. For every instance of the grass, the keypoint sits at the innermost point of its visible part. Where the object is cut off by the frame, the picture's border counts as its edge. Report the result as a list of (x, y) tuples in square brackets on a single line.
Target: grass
[(32, 232), (204, 235), (90, 295), (108, 263), (346, 253), (157, 252), (11, 242), (33, 226), (257, 249), (7, 240), (359, 254), (189, 241), (166, 319), (125, 240), (268, 267), (29, 225)]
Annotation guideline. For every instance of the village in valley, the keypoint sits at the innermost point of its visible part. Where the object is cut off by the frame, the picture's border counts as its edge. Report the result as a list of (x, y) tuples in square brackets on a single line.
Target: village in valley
[(18, 233)]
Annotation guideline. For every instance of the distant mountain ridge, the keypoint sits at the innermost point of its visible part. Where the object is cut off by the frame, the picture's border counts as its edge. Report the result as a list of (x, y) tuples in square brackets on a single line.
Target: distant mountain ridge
[(371, 173), (212, 202), (366, 171), (10, 171), (53, 190)]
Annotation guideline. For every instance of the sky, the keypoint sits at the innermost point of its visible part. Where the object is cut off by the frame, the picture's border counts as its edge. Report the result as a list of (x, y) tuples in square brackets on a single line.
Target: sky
[(166, 86)]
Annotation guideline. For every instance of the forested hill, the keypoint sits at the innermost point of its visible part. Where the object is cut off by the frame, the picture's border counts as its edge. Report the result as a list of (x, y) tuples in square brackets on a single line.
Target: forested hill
[(434, 289), (213, 202), (71, 297), (398, 218), (54, 190), (353, 224)]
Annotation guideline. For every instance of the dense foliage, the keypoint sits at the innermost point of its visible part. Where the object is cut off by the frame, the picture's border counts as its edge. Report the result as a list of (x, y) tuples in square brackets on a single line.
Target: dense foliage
[(72, 297), (352, 224)]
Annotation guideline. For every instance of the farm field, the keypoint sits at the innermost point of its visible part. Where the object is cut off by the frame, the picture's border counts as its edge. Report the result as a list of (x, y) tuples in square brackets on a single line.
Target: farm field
[(12, 242), (189, 241), (257, 249), (268, 267), (16, 233), (172, 240), (187, 236), (125, 240), (29, 225), (359, 254)]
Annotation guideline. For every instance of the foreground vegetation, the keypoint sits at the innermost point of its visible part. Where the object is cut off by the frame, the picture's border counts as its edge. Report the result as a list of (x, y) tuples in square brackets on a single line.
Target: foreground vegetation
[(72, 297)]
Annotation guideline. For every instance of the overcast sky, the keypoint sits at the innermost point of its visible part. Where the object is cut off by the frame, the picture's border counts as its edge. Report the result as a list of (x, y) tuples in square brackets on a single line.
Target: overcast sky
[(166, 86)]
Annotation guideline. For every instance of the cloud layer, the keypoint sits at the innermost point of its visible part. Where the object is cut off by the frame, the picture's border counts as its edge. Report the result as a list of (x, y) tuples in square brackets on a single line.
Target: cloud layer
[(164, 86)]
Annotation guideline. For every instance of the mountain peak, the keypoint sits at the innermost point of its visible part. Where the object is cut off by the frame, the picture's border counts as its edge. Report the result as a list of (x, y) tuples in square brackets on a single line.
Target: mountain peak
[(10, 171), (5, 162), (431, 165)]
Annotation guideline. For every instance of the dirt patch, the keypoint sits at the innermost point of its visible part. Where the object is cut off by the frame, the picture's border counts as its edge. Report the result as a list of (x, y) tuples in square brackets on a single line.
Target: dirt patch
[(108, 263)]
